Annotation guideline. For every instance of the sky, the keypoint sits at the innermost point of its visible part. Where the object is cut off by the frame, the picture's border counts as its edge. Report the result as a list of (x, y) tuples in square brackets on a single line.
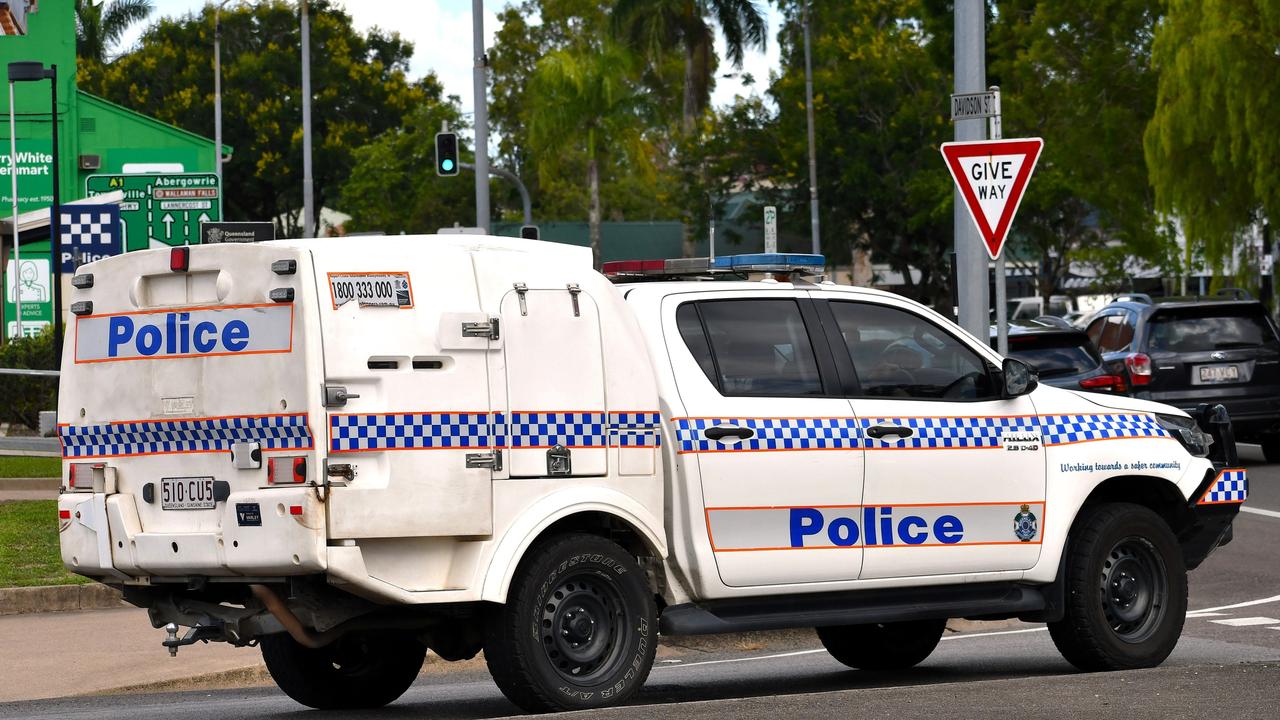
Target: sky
[(441, 34)]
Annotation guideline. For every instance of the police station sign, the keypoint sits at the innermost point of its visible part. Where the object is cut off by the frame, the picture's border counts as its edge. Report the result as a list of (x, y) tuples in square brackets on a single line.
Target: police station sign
[(185, 333)]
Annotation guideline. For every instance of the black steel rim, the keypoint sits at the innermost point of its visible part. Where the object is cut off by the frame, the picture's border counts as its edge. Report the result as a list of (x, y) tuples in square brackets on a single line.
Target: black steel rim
[(584, 628), (1135, 589)]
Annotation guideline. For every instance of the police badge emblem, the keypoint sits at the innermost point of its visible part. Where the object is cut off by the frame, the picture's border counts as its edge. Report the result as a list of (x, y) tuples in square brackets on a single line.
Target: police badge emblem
[(1024, 524)]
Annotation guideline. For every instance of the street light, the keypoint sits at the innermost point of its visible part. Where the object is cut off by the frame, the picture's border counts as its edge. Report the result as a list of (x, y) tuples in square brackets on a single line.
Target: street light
[(31, 72)]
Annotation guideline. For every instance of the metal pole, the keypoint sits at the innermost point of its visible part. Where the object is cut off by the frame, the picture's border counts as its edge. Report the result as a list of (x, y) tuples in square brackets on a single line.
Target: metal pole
[(55, 229), (480, 86), (515, 180), (217, 99), (308, 187), (813, 153), (971, 257), (1002, 290), (17, 236)]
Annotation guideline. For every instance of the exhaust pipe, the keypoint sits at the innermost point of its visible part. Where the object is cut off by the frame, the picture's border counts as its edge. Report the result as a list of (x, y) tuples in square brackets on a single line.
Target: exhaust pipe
[(292, 625)]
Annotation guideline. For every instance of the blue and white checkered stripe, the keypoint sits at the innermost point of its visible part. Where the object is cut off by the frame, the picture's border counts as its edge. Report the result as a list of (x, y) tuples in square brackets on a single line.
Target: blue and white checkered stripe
[(946, 432), (929, 433), (275, 432), (770, 434), (1063, 429), (547, 429), (634, 429), (409, 431), (1231, 486)]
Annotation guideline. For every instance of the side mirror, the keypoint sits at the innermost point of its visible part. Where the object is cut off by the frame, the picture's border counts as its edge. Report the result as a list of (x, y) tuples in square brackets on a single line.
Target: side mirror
[(1018, 378)]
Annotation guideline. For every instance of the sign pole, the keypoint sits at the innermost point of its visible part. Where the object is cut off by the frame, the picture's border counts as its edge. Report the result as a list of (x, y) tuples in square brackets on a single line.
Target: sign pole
[(971, 260), (1002, 290), (480, 89), (17, 235), (55, 228)]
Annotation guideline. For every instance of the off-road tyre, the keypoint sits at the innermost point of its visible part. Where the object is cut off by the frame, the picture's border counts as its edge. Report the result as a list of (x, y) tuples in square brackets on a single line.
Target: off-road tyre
[(1126, 590), (358, 671), (883, 646), (579, 628)]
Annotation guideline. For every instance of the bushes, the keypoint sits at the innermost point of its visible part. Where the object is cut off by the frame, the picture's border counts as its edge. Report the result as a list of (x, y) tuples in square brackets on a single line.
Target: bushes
[(22, 398)]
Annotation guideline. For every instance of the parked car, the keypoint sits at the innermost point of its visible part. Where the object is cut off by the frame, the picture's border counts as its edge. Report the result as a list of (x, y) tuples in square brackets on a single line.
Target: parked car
[(1026, 308), (1062, 355), (1189, 352)]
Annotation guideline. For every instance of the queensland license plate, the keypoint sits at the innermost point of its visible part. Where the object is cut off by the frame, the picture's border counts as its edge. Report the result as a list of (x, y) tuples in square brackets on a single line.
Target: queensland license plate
[(187, 493), (1219, 373)]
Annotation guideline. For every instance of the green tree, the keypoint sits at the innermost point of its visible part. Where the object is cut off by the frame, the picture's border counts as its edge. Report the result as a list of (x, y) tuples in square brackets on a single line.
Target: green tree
[(879, 99), (358, 83), (392, 186), (586, 100), (100, 25), (1213, 141), (659, 27), (1078, 73)]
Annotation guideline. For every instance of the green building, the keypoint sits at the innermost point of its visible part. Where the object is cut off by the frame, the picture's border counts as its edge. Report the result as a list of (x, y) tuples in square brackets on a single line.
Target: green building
[(94, 136)]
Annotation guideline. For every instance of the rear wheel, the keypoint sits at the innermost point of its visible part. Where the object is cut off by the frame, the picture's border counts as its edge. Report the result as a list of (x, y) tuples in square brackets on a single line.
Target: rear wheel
[(364, 670), (1126, 591), (578, 630), (883, 646)]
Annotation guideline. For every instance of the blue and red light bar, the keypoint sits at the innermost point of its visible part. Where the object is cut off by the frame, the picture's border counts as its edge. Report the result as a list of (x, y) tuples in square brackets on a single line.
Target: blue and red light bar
[(724, 264)]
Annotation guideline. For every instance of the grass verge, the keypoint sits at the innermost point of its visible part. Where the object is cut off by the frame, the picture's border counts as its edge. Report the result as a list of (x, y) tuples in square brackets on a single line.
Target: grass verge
[(30, 467), (29, 553)]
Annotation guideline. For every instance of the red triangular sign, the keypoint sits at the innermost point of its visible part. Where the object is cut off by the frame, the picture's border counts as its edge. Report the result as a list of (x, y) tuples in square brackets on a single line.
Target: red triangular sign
[(992, 176)]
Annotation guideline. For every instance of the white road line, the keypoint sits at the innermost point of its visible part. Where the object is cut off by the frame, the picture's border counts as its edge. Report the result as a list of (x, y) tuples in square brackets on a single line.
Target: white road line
[(1260, 511), (743, 659), (1247, 621), (965, 636), (1204, 614), (1263, 601)]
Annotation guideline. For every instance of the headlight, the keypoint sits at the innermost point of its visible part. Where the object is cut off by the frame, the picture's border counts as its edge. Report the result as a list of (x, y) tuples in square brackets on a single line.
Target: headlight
[(1195, 440)]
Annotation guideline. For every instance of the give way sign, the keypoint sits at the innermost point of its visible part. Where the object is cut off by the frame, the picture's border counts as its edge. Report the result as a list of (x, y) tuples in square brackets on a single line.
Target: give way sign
[(992, 176)]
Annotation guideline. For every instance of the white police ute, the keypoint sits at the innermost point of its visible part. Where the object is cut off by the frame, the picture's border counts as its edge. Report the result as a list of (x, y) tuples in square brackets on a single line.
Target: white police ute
[(351, 451)]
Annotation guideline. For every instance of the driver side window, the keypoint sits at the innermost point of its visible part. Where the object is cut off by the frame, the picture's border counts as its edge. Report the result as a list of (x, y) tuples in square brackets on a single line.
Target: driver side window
[(897, 354)]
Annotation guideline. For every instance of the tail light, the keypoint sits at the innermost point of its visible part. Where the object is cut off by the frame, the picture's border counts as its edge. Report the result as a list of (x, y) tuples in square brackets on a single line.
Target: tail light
[(82, 475), (1104, 382), (286, 471), (1139, 366), (179, 259)]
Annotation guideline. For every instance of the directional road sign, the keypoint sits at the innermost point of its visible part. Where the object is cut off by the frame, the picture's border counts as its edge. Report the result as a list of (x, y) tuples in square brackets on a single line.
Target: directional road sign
[(967, 106), (992, 175), (162, 209)]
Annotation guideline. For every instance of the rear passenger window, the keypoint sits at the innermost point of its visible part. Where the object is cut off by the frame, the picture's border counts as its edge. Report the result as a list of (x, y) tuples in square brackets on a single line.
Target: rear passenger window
[(897, 354), (758, 347)]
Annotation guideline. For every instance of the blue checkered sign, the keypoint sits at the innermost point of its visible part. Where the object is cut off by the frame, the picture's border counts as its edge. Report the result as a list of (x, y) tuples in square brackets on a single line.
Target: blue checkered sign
[(928, 433), (88, 233), (1231, 486), (155, 437)]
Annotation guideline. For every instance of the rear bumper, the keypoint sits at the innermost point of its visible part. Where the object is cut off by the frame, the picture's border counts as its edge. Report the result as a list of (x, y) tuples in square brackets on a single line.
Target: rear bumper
[(103, 538), (1251, 409)]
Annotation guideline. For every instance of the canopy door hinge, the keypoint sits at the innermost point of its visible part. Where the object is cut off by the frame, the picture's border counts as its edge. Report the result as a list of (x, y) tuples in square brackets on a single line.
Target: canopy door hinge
[(489, 460), (574, 290), (521, 289)]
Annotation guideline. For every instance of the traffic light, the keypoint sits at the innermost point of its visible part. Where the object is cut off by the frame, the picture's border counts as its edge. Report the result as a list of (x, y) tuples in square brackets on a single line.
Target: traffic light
[(446, 153)]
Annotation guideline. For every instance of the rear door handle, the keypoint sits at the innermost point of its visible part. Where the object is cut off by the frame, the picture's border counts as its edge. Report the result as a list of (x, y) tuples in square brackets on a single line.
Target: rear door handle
[(880, 431), (719, 433)]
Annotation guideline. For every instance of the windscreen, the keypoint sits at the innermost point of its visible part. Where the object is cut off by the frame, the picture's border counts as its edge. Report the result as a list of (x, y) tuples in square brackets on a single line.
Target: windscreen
[(1055, 353), (1202, 329)]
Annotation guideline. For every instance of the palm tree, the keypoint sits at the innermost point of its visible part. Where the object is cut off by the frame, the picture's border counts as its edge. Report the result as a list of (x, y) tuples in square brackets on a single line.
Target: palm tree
[(663, 25), (99, 25), (585, 99)]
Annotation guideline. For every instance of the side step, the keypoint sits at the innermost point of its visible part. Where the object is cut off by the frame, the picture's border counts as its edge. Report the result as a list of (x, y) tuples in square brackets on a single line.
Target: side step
[(994, 600)]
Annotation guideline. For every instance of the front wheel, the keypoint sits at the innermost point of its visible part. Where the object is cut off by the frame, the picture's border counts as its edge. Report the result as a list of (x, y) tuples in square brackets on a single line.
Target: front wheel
[(883, 646), (578, 630), (358, 671), (1126, 590)]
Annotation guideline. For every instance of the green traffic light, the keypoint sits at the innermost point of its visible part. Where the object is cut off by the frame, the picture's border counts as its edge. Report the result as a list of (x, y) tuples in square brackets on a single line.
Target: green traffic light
[(446, 165)]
